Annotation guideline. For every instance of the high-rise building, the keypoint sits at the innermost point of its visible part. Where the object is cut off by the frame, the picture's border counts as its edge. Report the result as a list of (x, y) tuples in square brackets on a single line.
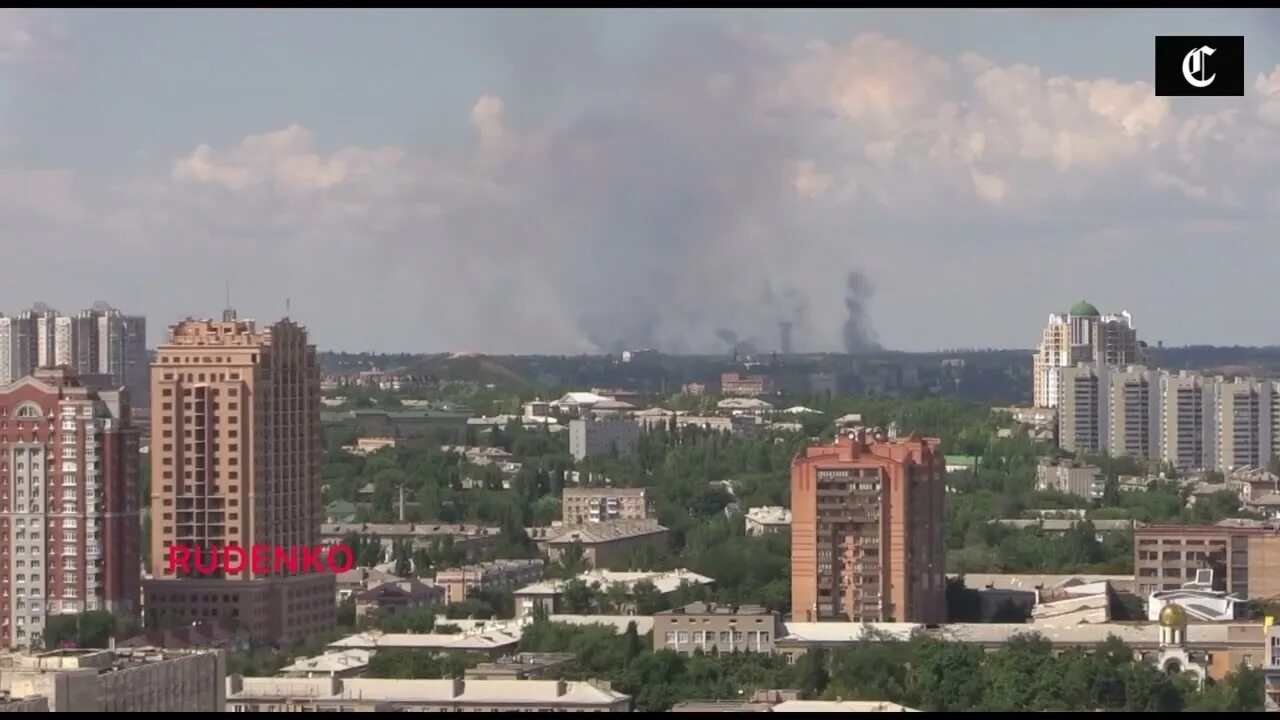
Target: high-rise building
[(866, 531), (1081, 335), (235, 460), (69, 534), (1188, 420), (100, 341), (110, 343)]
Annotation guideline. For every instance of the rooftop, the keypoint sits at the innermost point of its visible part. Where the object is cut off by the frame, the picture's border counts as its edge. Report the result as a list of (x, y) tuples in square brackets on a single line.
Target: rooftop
[(840, 706), (602, 532), (1084, 309), (701, 608), (330, 662), (1143, 634), (484, 641), (403, 529), (486, 692), (605, 491), (769, 515), (665, 581)]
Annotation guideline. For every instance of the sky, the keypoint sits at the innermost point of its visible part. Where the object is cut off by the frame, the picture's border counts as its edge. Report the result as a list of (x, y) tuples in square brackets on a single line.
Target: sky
[(586, 181)]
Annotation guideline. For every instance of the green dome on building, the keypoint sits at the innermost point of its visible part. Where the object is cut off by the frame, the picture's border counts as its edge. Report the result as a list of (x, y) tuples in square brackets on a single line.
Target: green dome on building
[(1084, 309)]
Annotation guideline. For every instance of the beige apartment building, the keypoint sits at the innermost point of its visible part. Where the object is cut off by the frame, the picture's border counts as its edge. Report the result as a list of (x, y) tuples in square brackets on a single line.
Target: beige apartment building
[(716, 628), (235, 460), (866, 531), (133, 680), (261, 694), (1081, 335), (581, 505)]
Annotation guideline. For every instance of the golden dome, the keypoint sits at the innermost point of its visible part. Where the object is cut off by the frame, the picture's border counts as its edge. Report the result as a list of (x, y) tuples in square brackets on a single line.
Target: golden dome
[(1172, 615)]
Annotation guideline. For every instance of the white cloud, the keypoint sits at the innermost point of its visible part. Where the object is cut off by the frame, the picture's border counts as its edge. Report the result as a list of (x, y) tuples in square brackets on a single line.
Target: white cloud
[(990, 187), (673, 215)]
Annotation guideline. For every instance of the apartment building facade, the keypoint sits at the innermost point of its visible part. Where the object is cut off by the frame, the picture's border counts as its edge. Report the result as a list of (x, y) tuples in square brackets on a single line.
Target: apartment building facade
[(1188, 420), (98, 341), (866, 531), (236, 453), (716, 628), (581, 505), (590, 436), (1081, 335), (1166, 556), (129, 680), (69, 535)]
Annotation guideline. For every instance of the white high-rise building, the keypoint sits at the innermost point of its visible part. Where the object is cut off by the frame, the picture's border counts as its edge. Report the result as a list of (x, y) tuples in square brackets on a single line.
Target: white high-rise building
[(1081, 335), (99, 342), (1184, 419)]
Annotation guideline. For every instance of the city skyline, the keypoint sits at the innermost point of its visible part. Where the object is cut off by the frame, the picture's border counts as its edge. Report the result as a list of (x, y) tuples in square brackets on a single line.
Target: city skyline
[(571, 182)]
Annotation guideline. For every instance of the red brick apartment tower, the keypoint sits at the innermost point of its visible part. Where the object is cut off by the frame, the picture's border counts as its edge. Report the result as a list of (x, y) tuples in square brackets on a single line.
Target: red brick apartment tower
[(235, 460), (69, 530), (866, 531)]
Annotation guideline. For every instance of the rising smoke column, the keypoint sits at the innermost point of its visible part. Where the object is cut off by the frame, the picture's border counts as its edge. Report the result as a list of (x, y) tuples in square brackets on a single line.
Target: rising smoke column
[(858, 335), (663, 214)]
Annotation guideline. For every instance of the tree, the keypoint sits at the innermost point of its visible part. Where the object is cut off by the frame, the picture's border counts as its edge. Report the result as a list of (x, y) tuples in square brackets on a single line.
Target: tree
[(648, 600), (579, 598), (89, 629), (403, 558)]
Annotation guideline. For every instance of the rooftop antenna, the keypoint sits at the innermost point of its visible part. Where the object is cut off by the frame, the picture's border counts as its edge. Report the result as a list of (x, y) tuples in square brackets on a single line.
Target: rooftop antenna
[(228, 313)]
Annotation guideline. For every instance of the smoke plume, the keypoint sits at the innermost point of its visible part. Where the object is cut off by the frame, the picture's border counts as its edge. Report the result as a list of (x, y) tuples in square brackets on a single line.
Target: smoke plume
[(858, 335), (667, 216)]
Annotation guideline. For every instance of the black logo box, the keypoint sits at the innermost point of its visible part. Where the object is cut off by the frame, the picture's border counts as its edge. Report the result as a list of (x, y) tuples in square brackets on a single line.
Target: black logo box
[(1226, 64)]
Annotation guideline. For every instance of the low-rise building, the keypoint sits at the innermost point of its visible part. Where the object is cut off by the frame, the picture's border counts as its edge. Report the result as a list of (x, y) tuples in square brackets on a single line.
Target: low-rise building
[(524, 666), (1060, 526), (417, 428), (1251, 483), (472, 540), (494, 643), (1271, 665), (259, 694), (396, 597), (357, 580), (1071, 478), (1215, 648), (749, 386), (1166, 556), (825, 706), (460, 583), (343, 663), (716, 628), (744, 406), (602, 543), (591, 436), (759, 701), (1197, 599), (547, 596), (768, 520), (124, 680), (369, 445), (581, 505)]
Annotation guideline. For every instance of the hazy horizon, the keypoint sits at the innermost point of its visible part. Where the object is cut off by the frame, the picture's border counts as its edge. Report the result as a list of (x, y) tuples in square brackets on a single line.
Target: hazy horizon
[(569, 182)]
